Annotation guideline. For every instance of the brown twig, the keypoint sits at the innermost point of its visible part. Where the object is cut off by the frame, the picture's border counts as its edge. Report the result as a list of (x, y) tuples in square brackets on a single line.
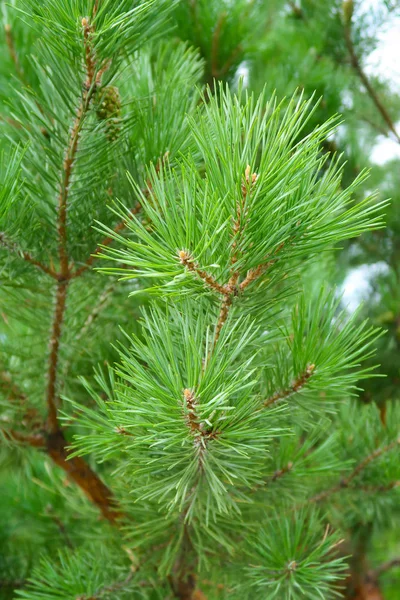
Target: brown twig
[(222, 317), (191, 265), (81, 473), (60, 526), (274, 477), (95, 8), (355, 63), (240, 222), (294, 387), (384, 567), (254, 274), (34, 440), (297, 11), (11, 387), (280, 472), (368, 459), (215, 45), (26, 256), (230, 60), (61, 296), (12, 51), (120, 226), (346, 481)]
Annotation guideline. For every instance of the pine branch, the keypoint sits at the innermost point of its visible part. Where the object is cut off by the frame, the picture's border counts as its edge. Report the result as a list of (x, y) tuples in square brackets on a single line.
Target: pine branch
[(65, 274), (239, 225), (384, 567), (294, 387), (34, 440), (56, 445), (345, 482), (11, 247), (355, 63)]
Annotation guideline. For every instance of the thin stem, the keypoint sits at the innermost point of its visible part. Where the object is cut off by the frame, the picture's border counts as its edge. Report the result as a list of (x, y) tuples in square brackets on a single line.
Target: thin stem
[(355, 63), (294, 387), (230, 60), (297, 11), (61, 296), (215, 45), (222, 317), (93, 315), (118, 585), (281, 472), (368, 459), (11, 387), (384, 567), (61, 527), (26, 256), (345, 482), (274, 477), (13, 53)]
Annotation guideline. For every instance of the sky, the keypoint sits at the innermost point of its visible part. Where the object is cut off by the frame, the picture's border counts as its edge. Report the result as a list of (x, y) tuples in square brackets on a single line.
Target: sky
[(385, 59)]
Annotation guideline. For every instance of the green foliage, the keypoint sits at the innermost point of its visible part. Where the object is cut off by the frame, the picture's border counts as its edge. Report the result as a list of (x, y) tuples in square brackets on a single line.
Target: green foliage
[(292, 211), (290, 569), (167, 254)]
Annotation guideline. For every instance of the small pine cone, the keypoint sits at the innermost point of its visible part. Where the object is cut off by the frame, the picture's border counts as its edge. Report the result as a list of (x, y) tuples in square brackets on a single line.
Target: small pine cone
[(108, 109)]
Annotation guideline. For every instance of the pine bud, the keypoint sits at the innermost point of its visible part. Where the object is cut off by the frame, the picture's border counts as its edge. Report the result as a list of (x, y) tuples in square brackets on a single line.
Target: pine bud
[(348, 9), (109, 110)]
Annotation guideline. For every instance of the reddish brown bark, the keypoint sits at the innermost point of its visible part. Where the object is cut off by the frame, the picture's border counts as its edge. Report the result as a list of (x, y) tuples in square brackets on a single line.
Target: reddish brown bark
[(81, 473)]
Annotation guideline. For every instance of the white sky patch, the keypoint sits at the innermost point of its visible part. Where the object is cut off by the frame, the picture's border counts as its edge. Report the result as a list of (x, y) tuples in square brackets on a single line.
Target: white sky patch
[(384, 150), (385, 61), (357, 288)]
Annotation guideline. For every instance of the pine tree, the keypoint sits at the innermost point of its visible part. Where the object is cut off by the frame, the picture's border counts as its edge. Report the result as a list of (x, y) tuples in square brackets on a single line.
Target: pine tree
[(179, 377)]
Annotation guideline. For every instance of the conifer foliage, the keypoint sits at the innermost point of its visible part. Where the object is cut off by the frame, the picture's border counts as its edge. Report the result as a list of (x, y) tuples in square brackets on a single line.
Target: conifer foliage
[(178, 383)]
